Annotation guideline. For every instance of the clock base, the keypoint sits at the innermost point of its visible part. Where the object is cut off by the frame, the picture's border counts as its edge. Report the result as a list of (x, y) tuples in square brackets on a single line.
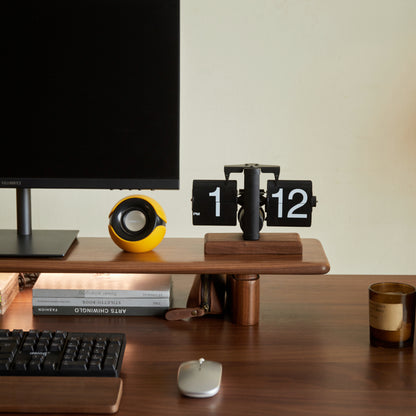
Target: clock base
[(268, 243)]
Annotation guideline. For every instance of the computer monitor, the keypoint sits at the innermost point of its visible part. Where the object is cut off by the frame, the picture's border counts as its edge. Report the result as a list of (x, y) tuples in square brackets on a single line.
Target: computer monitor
[(90, 98)]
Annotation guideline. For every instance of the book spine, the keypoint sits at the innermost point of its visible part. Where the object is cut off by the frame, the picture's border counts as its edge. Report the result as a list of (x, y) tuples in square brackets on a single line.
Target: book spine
[(7, 296), (102, 302), (97, 293), (98, 311), (10, 288)]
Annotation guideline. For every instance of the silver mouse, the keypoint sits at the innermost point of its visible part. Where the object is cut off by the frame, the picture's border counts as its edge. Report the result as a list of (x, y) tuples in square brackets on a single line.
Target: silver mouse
[(199, 378)]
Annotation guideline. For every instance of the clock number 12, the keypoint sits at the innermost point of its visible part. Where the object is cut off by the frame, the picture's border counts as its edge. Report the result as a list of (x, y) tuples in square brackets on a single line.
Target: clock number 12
[(289, 203), (291, 213)]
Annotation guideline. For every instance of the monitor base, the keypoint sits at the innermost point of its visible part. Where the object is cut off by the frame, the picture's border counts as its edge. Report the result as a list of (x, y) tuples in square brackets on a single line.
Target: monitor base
[(40, 243)]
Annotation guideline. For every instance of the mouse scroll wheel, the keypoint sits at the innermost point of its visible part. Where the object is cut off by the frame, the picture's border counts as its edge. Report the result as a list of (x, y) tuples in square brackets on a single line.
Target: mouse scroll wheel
[(201, 361)]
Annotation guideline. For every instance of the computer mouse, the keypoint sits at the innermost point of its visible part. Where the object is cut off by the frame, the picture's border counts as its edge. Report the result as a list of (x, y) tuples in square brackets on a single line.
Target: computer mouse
[(199, 378)]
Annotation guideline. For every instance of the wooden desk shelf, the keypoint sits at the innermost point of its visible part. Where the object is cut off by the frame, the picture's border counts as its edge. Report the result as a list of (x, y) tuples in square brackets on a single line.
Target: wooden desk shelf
[(173, 255), (177, 256)]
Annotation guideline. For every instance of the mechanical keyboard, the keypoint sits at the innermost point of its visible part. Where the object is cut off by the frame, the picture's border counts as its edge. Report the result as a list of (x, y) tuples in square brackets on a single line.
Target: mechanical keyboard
[(60, 353)]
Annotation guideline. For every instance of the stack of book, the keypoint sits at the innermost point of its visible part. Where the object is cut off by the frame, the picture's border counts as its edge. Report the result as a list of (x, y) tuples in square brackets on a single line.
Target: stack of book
[(101, 294), (9, 288)]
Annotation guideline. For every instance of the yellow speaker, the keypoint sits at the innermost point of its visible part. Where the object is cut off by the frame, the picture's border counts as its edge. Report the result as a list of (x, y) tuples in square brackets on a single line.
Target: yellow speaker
[(137, 224)]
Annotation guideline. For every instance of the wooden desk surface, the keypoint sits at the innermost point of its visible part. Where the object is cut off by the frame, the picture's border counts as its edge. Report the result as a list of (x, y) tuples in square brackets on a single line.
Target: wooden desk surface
[(309, 355)]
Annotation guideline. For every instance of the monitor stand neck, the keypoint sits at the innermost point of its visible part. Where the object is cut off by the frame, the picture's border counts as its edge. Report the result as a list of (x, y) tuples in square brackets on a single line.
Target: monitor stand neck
[(23, 211)]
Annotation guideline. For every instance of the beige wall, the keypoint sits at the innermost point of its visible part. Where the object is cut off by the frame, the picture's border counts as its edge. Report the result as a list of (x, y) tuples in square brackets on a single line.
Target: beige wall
[(324, 88)]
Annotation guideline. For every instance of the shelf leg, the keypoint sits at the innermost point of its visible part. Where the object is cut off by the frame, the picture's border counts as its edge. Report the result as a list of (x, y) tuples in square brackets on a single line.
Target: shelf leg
[(244, 298)]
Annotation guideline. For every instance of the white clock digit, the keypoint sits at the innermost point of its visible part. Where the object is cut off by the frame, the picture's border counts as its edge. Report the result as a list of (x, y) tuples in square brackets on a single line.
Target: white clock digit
[(216, 195), (291, 213), (279, 196), (292, 193)]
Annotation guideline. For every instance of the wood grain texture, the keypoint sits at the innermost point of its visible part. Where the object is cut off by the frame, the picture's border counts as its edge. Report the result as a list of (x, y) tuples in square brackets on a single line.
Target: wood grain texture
[(244, 298), (268, 243), (308, 356), (172, 255), (60, 394)]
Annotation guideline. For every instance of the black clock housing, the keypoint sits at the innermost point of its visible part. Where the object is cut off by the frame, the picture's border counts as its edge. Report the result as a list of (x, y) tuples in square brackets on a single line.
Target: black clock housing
[(287, 203)]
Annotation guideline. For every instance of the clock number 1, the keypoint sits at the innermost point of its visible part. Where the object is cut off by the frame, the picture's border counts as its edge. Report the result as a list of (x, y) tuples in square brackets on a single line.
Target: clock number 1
[(216, 195)]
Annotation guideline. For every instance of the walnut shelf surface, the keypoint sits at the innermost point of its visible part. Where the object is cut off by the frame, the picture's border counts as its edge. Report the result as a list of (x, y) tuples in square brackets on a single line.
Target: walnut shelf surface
[(173, 255)]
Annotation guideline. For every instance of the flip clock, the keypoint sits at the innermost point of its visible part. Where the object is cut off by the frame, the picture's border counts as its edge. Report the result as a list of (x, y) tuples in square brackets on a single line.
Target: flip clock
[(286, 203)]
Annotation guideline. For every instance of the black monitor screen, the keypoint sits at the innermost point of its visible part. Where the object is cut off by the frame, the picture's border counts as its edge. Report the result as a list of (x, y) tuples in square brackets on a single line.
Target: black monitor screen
[(90, 94)]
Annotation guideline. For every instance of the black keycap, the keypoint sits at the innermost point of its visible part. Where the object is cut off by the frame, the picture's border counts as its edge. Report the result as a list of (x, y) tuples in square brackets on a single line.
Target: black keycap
[(74, 366), (4, 364)]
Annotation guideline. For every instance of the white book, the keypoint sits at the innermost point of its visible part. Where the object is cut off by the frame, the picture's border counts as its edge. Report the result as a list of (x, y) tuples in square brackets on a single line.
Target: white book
[(98, 311), (102, 302), (101, 285)]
